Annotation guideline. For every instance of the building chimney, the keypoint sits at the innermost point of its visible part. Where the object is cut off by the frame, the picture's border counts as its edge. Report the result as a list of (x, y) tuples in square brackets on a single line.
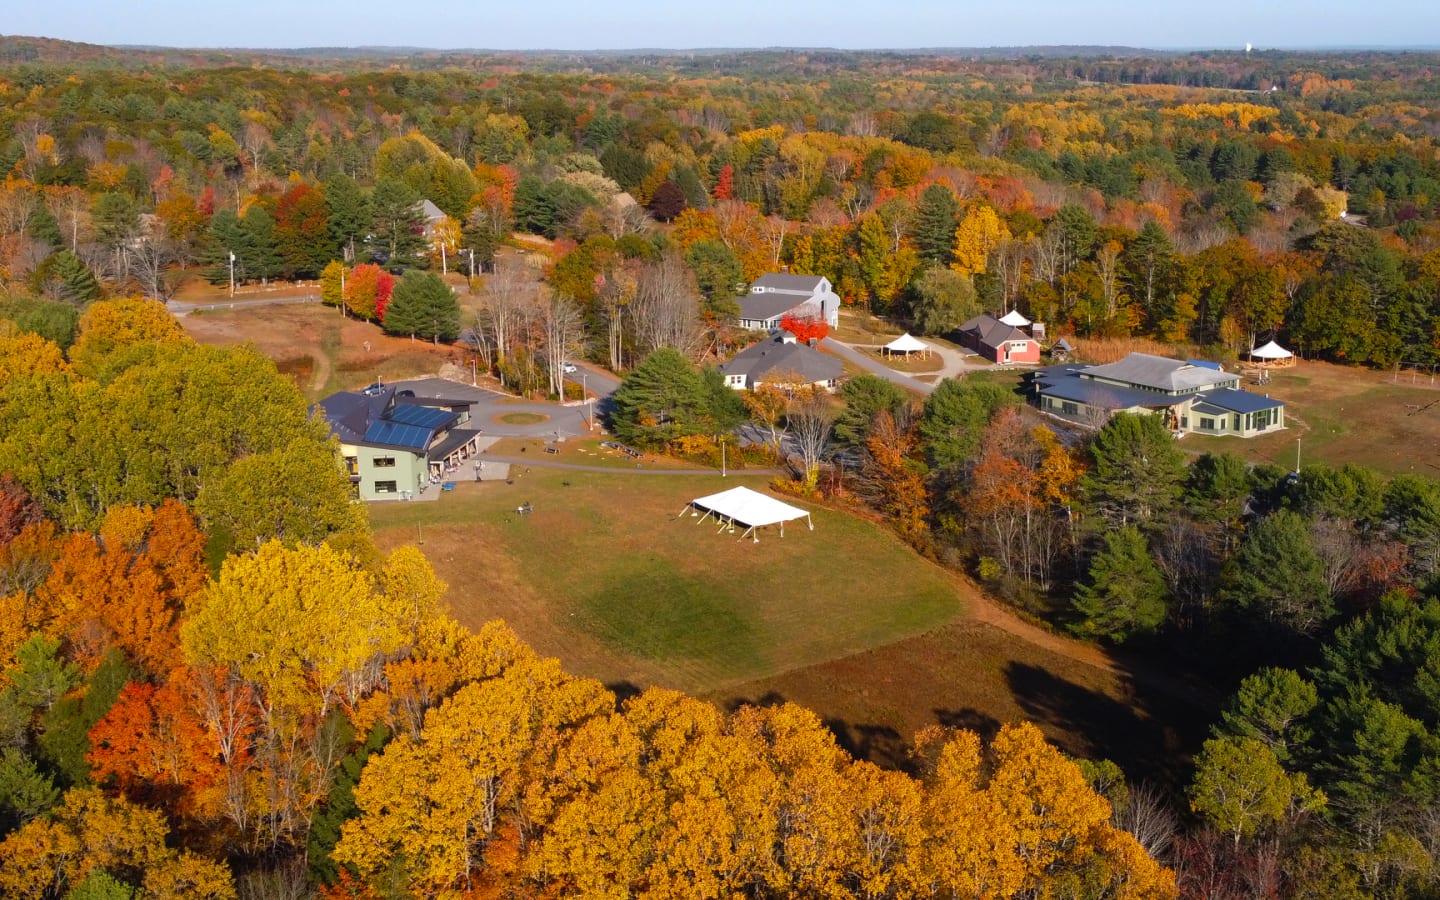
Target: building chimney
[(813, 341)]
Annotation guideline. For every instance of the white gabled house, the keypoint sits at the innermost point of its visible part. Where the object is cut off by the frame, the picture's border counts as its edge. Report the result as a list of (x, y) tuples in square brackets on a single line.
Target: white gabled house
[(772, 296)]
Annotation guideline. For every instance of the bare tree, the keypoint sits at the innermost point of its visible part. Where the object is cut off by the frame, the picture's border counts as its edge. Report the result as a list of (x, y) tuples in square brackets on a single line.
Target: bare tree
[(774, 228), (71, 208), (1341, 549), (150, 256), (615, 299), (1148, 818), (666, 310), (561, 332), (510, 299), (810, 418)]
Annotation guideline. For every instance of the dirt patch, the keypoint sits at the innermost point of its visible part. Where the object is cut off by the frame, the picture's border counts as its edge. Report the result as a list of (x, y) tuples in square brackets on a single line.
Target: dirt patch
[(520, 418)]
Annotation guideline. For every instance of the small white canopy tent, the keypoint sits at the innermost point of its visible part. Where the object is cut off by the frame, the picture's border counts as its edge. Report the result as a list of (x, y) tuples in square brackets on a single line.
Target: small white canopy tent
[(907, 344), (1013, 318), (750, 509), (1270, 351)]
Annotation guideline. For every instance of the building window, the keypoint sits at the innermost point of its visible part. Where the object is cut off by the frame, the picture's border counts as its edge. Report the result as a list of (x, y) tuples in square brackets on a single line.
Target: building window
[(1069, 409), (385, 487), (1207, 424), (352, 466), (383, 462), (1237, 422)]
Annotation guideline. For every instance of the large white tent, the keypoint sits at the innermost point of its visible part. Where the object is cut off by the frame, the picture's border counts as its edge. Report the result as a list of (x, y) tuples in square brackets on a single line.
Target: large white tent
[(748, 509), (907, 344), (1014, 319), (1271, 352)]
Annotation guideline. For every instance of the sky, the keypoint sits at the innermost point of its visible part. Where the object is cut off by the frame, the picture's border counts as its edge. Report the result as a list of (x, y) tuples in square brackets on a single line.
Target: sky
[(625, 24)]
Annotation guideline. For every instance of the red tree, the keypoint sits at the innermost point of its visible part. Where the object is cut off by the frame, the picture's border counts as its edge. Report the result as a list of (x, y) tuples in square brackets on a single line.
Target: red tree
[(725, 185), (17, 509), (805, 328)]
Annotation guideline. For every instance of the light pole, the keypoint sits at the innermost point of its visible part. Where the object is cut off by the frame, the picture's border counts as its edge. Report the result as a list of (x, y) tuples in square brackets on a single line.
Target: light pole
[(232, 273), (585, 399)]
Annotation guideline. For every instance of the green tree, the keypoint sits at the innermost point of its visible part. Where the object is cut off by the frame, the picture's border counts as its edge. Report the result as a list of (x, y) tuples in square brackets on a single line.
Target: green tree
[(347, 214), (423, 305), (1241, 788), (240, 504), (1125, 592), (955, 417), (933, 227), (64, 276), (57, 323), (719, 276), (663, 398), (25, 791), (259, 256), (942, 300), (1278, 576), (397, 225), (864, 395), (1136, 471), (1272, 706)]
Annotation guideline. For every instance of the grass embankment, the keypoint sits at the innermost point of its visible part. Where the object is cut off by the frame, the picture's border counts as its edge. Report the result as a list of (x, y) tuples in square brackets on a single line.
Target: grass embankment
[(609, 576)]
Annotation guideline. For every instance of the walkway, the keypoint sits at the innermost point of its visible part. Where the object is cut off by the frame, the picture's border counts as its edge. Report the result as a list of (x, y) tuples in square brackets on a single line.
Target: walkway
[(621, 470), (180, 309)]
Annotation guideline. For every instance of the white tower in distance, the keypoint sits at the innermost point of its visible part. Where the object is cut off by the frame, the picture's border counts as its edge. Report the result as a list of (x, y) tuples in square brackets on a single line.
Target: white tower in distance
[(1249, 46)]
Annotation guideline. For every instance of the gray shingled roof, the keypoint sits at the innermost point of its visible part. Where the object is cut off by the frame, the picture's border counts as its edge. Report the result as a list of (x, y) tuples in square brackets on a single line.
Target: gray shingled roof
[(992, 332), (790, 284), (775, 354), (1160, 373), (768, 306)]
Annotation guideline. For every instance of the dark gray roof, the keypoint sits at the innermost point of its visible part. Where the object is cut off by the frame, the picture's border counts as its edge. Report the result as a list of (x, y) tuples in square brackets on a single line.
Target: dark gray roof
[(373, 418), (1160, 373), (992, 332), (1236, 400), (775, 354), (453, 441), (349, 413), (792, 284), (768, 306), (1103, 396)]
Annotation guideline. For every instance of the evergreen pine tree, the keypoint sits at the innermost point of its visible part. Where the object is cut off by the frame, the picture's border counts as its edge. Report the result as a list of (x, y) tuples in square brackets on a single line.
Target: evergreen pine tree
[(423, 306), (1125, 593)]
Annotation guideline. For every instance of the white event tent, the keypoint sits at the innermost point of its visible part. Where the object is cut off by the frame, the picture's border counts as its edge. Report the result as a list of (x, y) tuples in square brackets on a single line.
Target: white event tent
[(1014, 319), (907, 344), (1272, 353), (750, 509)]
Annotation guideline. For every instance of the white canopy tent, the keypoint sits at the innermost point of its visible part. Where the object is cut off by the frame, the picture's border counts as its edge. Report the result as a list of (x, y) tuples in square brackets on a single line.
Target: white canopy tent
[(1014, 319), (1270, 351), (907, 344), (749, 509)]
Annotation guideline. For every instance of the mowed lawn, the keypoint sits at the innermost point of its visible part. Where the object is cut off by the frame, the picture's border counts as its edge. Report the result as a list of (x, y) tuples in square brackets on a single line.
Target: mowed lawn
[(609, 576), (1345, 414)]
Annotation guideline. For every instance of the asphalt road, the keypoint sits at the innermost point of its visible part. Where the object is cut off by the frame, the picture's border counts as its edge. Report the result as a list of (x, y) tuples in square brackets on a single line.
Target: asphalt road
[(871, 365)]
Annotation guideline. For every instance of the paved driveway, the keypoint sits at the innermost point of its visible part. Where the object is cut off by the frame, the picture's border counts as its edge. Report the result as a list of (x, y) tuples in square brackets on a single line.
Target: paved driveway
[(488, 407)]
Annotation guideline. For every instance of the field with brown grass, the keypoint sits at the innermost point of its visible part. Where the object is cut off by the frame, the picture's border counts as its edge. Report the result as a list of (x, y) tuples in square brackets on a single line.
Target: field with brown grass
[(322, 351), (1343, 414)]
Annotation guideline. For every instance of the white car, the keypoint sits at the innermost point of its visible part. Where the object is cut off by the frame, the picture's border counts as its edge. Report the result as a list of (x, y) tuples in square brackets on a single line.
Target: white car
[(569, 368)]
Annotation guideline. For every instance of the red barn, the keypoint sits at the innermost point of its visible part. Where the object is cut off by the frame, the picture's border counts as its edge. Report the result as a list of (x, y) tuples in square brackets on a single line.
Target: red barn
[(999, 341)]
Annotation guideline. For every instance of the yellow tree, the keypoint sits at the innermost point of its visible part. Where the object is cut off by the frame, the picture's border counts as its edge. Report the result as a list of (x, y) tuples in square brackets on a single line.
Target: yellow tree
[(976, 237), (113, 325), (29, 354), (88, 832)]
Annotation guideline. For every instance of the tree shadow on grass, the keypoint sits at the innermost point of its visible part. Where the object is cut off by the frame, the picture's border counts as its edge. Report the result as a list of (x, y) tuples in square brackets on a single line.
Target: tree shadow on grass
[(969, 719), (1148, 746), (879, 744)]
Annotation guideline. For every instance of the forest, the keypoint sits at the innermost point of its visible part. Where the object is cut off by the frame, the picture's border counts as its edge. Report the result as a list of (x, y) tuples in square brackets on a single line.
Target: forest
[(213, 689)]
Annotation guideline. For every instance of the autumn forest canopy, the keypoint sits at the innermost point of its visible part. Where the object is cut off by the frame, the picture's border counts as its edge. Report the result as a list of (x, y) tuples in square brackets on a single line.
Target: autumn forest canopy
[(213, 688)]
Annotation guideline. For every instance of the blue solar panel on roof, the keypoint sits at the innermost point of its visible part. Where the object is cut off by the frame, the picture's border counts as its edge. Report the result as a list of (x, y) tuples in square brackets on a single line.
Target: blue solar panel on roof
[(423, 416), (396, 434)]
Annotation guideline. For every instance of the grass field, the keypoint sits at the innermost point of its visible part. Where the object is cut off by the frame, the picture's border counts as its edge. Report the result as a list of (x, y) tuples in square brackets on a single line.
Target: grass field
[(1344, 415), (323, 352), (607, 576)]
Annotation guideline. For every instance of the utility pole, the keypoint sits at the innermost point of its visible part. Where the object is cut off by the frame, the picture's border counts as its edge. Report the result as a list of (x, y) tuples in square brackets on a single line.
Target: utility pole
[(232, 273)]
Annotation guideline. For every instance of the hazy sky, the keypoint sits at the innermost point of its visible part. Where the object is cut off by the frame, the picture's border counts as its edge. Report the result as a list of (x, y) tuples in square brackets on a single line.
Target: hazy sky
[(577, 24)]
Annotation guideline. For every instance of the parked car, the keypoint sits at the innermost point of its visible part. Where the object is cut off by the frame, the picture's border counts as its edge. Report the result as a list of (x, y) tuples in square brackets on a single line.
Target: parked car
[(569, 368)]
